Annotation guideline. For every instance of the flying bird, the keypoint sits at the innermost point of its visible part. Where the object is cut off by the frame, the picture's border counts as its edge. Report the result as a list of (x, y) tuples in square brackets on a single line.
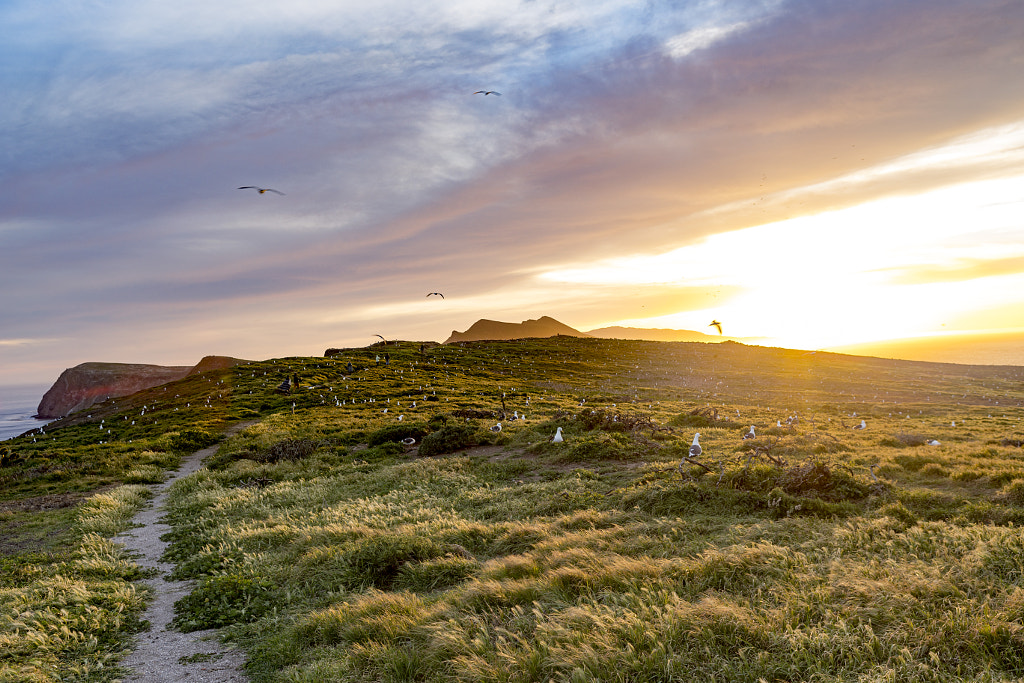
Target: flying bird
[(487, 92), (717, 325), (437, 293), (381, 338), (261, 190)]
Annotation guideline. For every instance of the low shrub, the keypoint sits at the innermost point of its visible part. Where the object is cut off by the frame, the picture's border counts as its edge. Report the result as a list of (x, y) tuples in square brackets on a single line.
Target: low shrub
[(190, 440), (448, 439), (397, 432), (222, 600), (436, 574), (377, 561), (1014, 491)]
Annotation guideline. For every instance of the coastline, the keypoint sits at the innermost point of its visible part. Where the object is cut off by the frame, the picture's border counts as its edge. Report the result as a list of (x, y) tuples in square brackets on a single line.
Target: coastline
[(18, 405)]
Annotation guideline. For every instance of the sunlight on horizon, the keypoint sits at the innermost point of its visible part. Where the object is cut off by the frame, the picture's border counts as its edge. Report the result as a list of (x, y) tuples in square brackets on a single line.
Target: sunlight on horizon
[(895, 267)]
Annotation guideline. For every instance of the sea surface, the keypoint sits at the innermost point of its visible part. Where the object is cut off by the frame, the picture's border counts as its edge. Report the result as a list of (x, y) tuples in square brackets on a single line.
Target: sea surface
[(18, 403)]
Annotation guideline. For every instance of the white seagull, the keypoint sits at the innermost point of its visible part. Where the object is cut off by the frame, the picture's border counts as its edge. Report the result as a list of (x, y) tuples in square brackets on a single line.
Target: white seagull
[(750, 434), (862, 425), (496, 428), (695, 449), (557, 438)]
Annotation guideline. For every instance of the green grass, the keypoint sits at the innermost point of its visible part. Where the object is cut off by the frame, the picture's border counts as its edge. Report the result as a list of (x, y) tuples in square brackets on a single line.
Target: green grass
[(331, 551)]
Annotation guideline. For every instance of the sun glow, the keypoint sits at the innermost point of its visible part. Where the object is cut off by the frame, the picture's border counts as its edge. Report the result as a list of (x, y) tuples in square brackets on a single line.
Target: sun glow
[(894, 267)]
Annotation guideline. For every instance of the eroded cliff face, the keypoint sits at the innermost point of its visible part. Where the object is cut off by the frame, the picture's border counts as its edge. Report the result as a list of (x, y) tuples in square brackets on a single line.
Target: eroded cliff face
[(81, 386)]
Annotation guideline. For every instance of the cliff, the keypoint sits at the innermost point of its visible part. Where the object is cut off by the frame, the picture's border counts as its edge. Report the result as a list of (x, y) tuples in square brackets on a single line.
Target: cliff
[(83, 385), (493, 330)]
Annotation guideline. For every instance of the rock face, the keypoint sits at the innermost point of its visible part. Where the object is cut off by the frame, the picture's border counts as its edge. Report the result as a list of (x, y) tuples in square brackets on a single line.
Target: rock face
[(216, 363), (83, 385), (493, 330)]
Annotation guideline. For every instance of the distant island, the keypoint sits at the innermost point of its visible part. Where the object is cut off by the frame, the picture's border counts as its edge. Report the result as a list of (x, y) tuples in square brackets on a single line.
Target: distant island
[(492, 330), (546, 326)]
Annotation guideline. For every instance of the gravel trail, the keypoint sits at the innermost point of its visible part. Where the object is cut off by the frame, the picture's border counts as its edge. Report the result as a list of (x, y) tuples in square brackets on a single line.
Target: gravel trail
[(162, 655)]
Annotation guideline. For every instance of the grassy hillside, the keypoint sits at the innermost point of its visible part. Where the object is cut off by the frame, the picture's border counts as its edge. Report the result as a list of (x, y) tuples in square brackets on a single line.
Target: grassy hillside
[(332, 551)]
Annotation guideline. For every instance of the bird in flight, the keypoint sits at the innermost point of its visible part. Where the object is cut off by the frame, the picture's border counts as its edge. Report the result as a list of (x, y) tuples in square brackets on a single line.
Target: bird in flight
[(717, 325), (381, 338), (487, 92), (261, 190), (437, 293)]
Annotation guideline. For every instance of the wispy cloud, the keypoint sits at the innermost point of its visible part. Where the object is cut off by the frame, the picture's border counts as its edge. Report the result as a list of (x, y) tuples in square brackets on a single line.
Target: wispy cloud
[(624, 129)]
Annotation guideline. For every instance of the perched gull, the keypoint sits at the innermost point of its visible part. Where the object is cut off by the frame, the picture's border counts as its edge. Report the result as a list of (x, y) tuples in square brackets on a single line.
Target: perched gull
[(496, 428), (717, 325), (750, 434), (862, 425), (261, 190), (933, 442), (695, 449), (557, 438), (409, 441), (487, 92)]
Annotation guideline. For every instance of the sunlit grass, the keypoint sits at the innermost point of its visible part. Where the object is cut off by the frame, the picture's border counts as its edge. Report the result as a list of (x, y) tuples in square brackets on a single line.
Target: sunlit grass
[(816, 551)]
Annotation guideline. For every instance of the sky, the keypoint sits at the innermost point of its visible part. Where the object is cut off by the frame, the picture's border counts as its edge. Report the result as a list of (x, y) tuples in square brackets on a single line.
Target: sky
[(807, 172)]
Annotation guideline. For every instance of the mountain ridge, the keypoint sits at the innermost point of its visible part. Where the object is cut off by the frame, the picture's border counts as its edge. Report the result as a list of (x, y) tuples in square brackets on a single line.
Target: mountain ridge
[(487, 330)]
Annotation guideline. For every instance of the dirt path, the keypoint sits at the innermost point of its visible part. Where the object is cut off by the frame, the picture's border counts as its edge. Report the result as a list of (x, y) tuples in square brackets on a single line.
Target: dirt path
[(162, 655)]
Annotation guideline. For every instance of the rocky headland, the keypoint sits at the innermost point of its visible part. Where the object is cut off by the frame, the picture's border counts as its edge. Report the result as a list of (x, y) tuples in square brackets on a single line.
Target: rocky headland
[(79, 387)]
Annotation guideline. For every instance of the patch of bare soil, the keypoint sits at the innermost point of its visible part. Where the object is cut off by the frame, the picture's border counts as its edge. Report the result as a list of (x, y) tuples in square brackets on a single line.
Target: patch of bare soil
[(162, 655), (53, 501)]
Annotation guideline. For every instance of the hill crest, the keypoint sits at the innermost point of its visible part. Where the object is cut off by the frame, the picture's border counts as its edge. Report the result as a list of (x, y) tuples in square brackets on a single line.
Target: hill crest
[(486, 330)]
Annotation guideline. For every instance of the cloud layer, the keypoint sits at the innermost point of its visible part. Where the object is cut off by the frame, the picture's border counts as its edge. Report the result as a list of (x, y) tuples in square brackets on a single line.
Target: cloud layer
[(623, 129)]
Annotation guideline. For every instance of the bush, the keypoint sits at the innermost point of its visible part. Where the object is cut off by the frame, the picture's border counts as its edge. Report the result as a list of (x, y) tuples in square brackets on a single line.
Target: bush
[(435, 574), (448, 439), (191, 440), (222, 600), (397, 432), (378, 561), (903, 440), (1014, 491), (289, 449)]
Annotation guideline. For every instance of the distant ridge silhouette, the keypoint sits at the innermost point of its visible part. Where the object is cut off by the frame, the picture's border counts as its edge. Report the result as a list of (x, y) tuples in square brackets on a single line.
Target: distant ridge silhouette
[(653, 334), (484, 329)]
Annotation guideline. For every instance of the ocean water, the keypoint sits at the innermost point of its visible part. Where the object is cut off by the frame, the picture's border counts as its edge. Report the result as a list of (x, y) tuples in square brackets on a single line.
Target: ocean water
[(17, 406)]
